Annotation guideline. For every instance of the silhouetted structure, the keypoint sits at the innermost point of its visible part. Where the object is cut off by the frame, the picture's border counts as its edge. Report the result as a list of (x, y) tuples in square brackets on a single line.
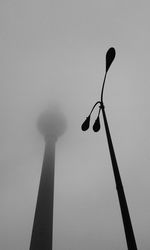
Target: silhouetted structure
[(131, 243), (52, 126), (130, 238)]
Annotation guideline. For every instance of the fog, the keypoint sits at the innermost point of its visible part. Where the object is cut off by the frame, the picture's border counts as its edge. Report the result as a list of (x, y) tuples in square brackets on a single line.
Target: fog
[(54, 52)]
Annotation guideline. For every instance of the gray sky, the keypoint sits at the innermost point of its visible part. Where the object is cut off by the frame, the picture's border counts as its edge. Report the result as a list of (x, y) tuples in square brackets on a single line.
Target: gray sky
[(54, 51)]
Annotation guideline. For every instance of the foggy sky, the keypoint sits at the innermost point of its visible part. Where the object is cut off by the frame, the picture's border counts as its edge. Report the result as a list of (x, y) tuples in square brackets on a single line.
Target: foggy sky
[(54, 52)]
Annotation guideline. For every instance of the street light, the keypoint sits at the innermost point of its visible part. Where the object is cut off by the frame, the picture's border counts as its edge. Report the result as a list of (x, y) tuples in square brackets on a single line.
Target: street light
[(130, 238)]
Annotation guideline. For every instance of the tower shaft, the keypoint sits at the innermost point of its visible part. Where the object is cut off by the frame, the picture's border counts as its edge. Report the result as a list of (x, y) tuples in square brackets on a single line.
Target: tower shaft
[(42, 233)]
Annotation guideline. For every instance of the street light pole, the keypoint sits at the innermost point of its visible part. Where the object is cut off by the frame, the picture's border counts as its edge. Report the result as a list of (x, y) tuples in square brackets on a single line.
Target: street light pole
[(131, 243), (130, 238)]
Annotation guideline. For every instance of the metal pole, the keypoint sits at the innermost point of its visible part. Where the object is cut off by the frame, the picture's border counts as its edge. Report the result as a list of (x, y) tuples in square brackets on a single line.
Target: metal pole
[(130, 238)]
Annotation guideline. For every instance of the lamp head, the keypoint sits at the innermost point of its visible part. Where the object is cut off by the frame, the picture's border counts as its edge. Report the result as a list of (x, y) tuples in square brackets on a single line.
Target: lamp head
[(110, 55), (86, 124), (96, 126)]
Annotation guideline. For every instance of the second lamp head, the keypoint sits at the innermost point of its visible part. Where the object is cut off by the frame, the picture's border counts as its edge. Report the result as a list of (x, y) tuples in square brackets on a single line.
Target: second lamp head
[(96, 126)]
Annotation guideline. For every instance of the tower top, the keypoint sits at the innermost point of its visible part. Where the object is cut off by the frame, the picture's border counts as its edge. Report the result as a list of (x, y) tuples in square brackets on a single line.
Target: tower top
[(51, 124)]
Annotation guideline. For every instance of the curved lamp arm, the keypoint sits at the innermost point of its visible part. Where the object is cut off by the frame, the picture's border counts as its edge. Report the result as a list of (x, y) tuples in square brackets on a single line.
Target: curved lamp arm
[(110, 55)]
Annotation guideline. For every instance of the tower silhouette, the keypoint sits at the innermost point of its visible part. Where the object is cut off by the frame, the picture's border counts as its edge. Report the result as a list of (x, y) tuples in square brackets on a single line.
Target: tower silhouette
[(51, 125)]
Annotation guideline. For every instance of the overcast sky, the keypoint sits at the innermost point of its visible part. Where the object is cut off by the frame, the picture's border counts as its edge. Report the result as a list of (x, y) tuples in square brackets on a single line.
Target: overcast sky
[(54, 52)]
